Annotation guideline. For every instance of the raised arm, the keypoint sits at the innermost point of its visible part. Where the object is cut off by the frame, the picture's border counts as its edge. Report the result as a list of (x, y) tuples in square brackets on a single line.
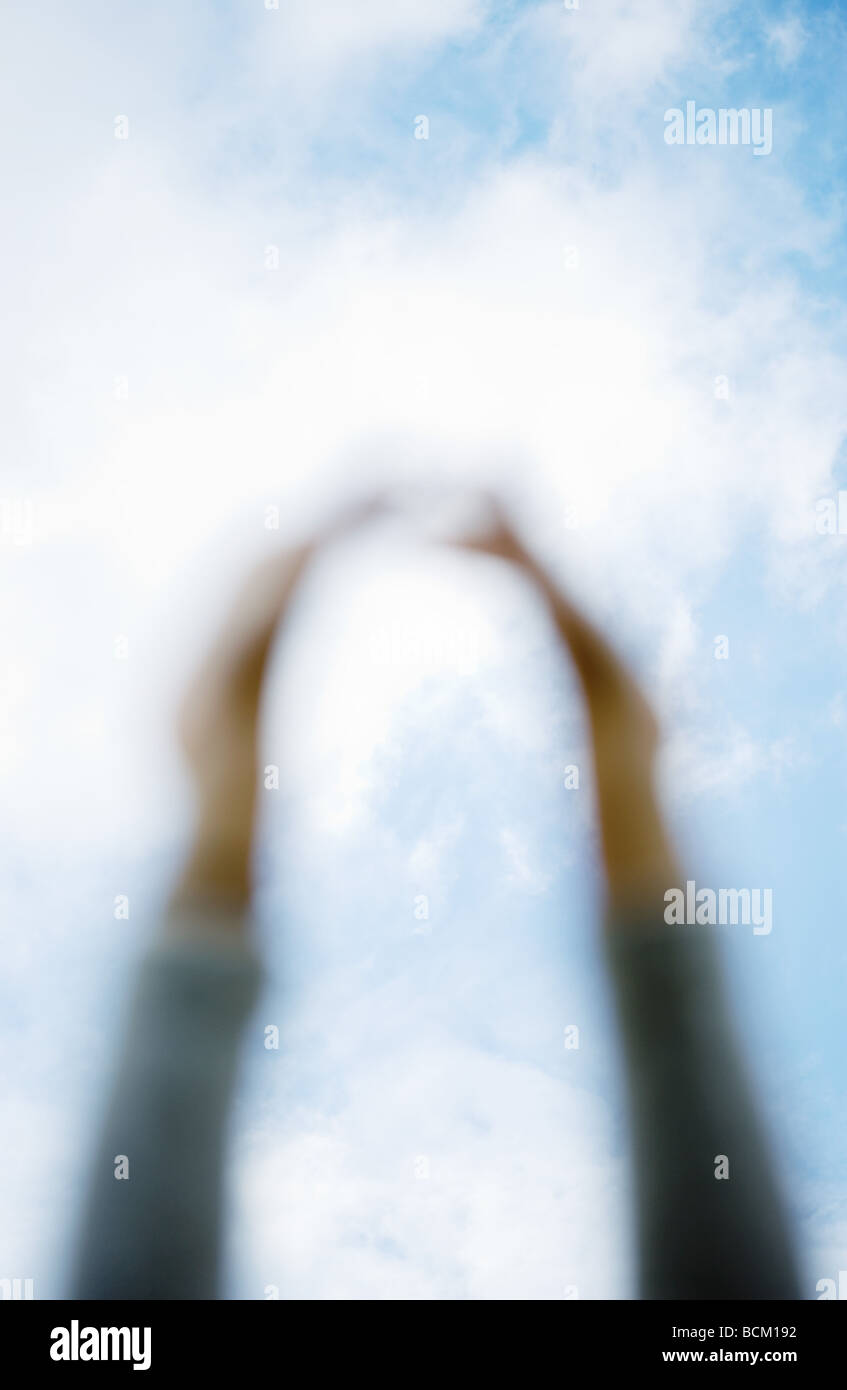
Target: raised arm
[(151, 1226), (700, 1235)]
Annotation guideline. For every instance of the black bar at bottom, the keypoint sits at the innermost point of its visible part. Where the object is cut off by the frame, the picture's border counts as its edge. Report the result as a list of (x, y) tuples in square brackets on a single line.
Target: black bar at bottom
[(62, 1339)]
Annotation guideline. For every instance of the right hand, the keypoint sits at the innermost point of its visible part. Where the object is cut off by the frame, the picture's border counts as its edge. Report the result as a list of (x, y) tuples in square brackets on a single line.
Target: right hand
[(639, 861)]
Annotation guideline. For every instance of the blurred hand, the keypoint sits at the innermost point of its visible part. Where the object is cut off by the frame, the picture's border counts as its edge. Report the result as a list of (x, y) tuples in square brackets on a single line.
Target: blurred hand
[(219, 719), (638, 858)]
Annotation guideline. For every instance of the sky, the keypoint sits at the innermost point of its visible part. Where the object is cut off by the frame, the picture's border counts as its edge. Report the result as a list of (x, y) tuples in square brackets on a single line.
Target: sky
[(258, 258)]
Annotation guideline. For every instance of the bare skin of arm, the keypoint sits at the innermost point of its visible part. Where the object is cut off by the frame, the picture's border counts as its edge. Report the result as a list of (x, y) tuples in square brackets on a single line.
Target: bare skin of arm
[(638, 856), (691, 1104), (219, 719), (158, 1235)]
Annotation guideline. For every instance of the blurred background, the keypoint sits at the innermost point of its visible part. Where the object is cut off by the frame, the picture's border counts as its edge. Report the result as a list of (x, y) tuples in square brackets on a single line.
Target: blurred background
[(255, 258)]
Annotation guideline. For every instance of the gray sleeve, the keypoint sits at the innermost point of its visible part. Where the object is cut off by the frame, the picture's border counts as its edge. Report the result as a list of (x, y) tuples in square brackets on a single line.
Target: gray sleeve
[(691, 1104), (154, 1233)]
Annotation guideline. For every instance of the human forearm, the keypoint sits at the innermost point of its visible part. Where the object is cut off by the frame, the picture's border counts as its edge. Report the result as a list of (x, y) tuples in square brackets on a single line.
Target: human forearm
[(151, 1227), (709, 1215)]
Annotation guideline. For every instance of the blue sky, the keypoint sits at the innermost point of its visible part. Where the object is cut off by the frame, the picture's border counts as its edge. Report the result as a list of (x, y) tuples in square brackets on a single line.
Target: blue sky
[(422, 1132)]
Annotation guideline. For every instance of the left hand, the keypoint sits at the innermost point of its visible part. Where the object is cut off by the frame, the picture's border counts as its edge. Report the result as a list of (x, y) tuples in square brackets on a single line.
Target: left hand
[(219, 718)]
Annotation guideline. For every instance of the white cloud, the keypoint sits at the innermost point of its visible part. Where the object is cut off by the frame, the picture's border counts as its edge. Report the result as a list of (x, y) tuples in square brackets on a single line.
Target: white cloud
[(445, 1174), (787, 37)]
